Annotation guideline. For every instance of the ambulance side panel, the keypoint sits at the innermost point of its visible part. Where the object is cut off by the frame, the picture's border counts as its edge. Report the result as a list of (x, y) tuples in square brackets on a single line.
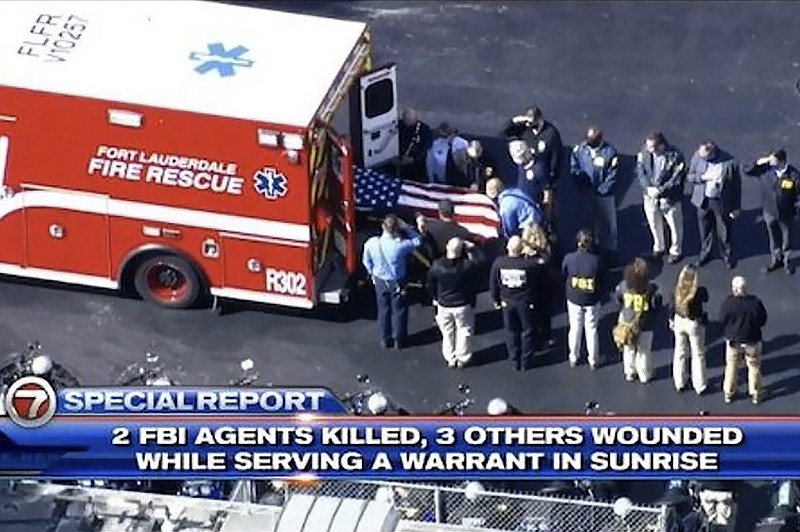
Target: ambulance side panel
[(12, 220), (139, 179)]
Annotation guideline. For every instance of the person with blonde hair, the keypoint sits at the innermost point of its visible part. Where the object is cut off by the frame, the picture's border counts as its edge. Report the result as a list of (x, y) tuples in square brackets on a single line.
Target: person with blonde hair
[(687, 321), (640, 303), (743, 316)]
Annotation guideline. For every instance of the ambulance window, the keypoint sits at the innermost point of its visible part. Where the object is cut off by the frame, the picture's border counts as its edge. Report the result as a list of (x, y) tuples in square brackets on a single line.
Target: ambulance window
[(379, 98)]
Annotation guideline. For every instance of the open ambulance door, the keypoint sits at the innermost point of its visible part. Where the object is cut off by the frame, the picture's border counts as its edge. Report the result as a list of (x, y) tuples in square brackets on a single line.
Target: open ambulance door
[(375, 118)]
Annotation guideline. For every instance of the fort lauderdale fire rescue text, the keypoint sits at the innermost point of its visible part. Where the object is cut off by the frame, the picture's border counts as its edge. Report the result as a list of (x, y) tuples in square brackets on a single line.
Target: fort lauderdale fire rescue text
[(166, 169)]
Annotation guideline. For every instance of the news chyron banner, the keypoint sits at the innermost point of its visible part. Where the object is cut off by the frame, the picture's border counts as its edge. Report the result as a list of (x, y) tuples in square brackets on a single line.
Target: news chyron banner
[(283, 433)]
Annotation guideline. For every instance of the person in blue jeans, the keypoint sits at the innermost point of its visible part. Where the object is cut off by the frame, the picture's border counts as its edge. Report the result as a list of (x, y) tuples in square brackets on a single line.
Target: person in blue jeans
[(385, 258)]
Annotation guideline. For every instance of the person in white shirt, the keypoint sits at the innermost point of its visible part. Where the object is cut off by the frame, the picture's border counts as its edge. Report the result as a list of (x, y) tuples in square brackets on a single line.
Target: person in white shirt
[(447, 157)]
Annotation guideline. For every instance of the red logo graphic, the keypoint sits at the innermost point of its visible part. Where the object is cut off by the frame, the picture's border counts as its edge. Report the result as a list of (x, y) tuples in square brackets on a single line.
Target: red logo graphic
[(30, 402)]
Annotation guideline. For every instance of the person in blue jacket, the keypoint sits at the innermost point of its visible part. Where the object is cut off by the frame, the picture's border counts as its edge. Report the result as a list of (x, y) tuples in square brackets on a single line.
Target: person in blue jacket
[(593, 165), (515, 208)]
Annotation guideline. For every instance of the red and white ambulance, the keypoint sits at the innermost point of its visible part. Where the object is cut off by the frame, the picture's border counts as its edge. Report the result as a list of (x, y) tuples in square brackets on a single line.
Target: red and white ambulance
[(182, 148)]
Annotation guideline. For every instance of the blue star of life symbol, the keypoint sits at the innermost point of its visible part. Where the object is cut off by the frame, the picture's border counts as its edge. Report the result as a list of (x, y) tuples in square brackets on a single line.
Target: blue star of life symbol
[(222, 60), (271, 184)]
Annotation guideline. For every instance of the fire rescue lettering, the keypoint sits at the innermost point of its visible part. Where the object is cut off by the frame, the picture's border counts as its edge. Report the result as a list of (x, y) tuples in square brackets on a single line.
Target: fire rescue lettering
[(51, 38), (287, 283), (170, 170)]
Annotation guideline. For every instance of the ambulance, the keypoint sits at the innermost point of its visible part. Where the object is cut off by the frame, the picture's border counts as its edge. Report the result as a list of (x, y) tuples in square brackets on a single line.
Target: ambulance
[(187, 149)]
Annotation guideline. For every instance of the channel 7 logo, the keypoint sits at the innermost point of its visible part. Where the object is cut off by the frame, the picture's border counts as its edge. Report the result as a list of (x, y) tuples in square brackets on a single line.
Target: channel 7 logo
[(30, 402)]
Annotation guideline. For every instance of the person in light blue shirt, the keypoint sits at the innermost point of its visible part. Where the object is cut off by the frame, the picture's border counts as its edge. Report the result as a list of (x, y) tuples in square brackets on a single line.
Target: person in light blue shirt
[(515, 208), (447, 158), (385, 258)]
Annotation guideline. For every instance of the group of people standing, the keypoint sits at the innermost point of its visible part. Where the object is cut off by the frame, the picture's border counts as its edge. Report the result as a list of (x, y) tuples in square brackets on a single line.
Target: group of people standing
[(521, 280)]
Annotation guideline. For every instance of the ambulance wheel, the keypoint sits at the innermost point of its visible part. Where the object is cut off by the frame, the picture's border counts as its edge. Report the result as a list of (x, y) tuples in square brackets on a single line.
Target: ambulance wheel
[(168, 281)]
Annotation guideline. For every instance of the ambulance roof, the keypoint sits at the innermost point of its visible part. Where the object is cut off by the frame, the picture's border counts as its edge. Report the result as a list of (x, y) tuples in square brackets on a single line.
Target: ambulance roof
[(203, 57)]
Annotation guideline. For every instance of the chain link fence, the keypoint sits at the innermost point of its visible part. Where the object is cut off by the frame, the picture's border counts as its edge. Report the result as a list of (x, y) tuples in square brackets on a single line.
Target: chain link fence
[(422, 505)]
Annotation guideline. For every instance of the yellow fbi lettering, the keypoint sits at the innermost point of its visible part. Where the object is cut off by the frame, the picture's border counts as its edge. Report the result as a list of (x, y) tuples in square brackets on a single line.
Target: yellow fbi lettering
[(636, 302), (584, 284)]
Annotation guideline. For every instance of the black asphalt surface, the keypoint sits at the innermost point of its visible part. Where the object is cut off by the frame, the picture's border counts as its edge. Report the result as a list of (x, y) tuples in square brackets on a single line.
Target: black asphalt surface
[(725, 70)]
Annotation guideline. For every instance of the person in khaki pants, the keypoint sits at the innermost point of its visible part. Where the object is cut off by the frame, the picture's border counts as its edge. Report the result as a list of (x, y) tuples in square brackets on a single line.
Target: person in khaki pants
[(452, 282), (688, 321), (743, 317)]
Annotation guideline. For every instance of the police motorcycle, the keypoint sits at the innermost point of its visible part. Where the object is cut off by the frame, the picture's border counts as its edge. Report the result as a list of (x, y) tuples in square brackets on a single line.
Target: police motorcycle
[(785, 514), (369, 400), (33, 361), (460, 407), (151, 373)]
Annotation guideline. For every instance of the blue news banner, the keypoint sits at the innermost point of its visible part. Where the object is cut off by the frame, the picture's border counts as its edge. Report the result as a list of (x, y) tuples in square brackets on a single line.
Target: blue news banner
[(280, 433)]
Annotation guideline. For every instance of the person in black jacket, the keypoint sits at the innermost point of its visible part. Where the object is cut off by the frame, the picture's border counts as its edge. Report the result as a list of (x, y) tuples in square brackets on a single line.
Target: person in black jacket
[(582, 270), (415, 138), (444, 229), (688, 321), (660, 170), (743, 316), (481, 166), (542, 136), (716, 182), (779, 184), (452, 286), (516, 284)]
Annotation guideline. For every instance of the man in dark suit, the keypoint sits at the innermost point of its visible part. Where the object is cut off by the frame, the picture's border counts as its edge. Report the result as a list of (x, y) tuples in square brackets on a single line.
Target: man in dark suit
[(779, 187), (717, 193)]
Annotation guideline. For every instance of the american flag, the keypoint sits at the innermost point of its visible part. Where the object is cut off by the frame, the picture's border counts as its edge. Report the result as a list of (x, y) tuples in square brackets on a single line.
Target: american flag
[(380, 193)]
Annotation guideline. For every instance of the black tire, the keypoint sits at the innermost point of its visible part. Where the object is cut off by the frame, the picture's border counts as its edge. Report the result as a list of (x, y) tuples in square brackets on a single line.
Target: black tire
[(168, 281)]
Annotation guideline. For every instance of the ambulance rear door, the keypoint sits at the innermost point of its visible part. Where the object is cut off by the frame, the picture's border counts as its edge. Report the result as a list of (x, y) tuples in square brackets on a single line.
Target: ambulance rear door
[(375, 118)]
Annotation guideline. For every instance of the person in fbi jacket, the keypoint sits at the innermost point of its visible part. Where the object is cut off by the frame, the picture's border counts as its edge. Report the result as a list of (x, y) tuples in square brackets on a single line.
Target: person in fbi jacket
[(593, 165), (582, 270), (516, 285), (660, 170), (779, 184), (385, 259), (717, 193)]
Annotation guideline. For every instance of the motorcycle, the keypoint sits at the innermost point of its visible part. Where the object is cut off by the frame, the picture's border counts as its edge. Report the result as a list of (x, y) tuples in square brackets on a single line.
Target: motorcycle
[(151, 373), (249, 374), (368, 400), (458, 408), (35, 362)]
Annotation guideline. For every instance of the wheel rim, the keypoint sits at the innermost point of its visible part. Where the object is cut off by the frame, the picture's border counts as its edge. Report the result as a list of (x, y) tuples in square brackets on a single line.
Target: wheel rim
[(166, 283)]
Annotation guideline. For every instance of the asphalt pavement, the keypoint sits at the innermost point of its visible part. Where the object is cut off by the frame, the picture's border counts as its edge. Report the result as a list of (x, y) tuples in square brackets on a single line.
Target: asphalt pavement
[(724, 70)]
